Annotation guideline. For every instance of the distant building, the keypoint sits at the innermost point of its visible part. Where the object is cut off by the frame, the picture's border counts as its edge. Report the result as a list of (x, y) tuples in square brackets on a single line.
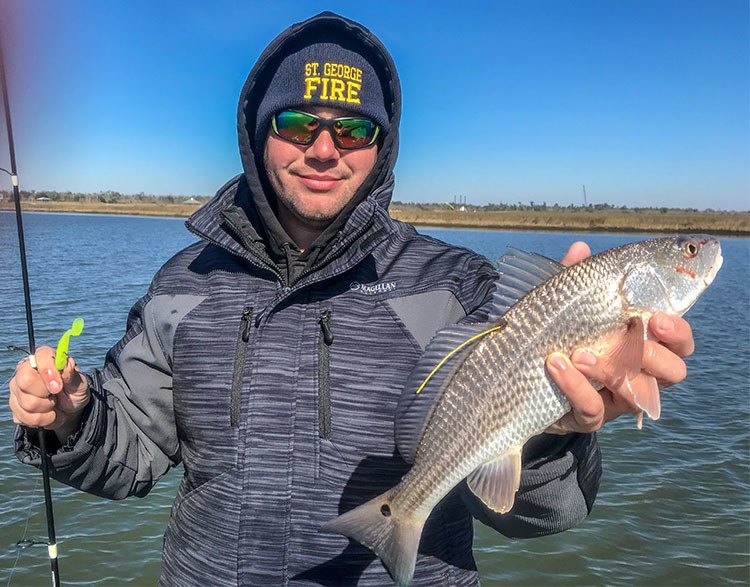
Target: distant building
[(191, 201), (42, 199)]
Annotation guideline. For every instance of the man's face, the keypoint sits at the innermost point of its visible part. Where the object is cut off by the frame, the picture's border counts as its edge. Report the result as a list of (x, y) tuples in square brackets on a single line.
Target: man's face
[(314, 182)]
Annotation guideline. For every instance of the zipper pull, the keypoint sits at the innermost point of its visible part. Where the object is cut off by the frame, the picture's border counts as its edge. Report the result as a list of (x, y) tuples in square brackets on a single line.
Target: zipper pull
[(325, 327), (247, 320)]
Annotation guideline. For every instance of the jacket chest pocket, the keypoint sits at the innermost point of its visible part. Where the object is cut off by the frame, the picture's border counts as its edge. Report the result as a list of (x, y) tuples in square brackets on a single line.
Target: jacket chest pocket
[(238, 367), (362, 362), (210, 357), (325, 341)]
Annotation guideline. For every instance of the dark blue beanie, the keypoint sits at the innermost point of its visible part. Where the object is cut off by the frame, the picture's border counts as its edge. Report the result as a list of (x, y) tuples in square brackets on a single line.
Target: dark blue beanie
[(323, 74)]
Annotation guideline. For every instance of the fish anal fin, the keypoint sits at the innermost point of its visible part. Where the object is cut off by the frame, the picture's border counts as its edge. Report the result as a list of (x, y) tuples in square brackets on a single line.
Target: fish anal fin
[(497, 481)]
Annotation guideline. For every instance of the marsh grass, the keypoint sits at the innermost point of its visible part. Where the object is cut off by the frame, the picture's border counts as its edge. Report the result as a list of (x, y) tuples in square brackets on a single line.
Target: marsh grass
[(612, 220), (736, 223)]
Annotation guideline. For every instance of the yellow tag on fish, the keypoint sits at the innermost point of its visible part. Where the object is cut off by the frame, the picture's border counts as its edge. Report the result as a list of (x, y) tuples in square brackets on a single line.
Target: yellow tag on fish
[(454, 351)]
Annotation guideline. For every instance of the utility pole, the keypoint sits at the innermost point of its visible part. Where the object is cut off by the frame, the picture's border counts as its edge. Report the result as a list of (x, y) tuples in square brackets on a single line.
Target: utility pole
[(585, 203)]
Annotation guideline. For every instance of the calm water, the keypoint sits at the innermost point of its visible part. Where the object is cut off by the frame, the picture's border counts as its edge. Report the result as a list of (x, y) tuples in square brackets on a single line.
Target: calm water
[(674, 506)]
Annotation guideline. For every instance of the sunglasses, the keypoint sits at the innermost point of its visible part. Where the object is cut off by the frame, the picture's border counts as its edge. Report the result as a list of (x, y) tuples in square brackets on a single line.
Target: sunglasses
[(349, 132)]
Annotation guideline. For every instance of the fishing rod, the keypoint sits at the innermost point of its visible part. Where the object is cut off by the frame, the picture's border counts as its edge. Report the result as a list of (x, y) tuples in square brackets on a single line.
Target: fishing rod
[(52, 541)]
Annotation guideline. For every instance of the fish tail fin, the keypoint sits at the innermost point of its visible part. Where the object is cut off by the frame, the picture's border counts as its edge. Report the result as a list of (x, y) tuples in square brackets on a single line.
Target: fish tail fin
[(377, 525)]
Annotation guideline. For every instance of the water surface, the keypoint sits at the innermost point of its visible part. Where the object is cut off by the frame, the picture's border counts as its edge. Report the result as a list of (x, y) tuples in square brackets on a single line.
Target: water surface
[(674, 504)]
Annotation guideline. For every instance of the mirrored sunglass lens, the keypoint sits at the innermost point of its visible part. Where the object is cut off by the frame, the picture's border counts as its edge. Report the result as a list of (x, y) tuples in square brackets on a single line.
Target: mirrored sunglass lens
[(355, 132), (295, 126)]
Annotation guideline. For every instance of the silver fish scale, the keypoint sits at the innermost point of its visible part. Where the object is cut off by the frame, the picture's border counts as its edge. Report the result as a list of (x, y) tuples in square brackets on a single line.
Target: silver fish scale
[(501, 395)]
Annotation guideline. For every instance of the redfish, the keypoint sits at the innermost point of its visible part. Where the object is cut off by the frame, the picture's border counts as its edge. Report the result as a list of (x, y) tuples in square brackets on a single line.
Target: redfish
[(488, 389)]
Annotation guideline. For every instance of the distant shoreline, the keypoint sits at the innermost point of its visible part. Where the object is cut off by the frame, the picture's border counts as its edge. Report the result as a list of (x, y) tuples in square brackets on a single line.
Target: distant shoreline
[(562, 220)]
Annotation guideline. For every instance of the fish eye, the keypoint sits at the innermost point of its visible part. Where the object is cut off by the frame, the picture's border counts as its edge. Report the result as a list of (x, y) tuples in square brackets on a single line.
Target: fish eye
[(690, 249)]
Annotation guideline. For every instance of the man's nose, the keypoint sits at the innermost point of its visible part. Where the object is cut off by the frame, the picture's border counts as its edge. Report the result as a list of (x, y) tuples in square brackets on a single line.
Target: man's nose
[(323, 148)]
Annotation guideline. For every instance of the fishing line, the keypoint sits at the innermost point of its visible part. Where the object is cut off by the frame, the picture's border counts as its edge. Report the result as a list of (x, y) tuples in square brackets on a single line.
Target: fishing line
[(44, 457), (23, 543)]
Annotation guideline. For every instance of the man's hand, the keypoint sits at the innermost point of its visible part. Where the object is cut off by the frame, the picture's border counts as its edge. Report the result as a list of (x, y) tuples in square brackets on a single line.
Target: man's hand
[(45, 398), (662, 359)]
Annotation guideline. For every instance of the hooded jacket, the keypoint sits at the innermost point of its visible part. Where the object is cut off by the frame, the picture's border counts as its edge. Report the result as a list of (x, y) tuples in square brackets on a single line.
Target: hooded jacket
[(274, 377)]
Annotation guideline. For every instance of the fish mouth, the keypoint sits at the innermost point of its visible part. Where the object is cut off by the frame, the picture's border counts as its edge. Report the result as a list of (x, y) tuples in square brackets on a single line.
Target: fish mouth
[(708, 279)]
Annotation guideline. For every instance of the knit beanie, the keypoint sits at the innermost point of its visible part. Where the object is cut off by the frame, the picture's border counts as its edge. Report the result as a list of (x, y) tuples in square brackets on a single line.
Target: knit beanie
[(323, 74)]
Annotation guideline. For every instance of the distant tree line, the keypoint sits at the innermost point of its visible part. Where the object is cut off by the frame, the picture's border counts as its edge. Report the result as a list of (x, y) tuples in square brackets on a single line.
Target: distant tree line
[(543, 207), (113, 197), (107, 197)]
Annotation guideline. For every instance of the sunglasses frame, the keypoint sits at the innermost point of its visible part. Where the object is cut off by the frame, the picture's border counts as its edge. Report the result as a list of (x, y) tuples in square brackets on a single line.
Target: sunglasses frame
[(326, 123)]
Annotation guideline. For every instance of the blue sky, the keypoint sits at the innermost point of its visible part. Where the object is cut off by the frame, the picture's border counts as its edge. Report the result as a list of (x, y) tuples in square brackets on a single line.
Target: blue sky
[(643, 101)]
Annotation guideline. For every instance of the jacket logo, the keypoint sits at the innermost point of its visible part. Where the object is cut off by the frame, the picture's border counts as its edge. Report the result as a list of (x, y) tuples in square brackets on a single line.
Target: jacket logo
[(374, 288)]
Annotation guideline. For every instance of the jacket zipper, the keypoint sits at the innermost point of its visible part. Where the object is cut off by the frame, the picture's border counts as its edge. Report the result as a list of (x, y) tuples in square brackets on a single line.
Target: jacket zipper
[(252, 256), (285, 289), (339, 250), (324, 375), (238, 371)]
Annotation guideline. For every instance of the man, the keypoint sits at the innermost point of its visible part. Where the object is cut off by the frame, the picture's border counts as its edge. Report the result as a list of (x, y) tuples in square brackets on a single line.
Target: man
[(269, 357)]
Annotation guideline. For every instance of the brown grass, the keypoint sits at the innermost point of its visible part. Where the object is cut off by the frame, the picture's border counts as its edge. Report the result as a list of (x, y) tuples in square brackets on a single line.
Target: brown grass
[(730, 223), (735, 223), (134, 209)]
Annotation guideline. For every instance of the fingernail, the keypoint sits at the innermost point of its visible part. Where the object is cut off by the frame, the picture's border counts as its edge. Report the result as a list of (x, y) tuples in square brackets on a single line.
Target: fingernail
[(664, 323), (584, 357), (558, 363), (54, 386)]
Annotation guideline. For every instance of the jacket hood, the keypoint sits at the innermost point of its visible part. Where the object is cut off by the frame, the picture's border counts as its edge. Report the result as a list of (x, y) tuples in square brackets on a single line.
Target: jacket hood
[(324, 27)]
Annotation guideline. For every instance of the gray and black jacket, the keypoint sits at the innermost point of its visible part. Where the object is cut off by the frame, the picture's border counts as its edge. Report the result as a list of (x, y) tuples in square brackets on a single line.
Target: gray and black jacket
[(274, 377)]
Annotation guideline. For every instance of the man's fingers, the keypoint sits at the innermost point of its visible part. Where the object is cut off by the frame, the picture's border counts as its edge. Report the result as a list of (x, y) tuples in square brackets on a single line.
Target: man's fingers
[(33, 404), (662, 363), (45, 358), (52, 380), (34, 420), (578, 251), (45, 365), (674, 332), (587, 406), (28, 380), (593, 367)]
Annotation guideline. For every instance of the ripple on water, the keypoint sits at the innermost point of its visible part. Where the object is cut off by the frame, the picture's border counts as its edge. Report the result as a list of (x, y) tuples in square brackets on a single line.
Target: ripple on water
[(674, 500)]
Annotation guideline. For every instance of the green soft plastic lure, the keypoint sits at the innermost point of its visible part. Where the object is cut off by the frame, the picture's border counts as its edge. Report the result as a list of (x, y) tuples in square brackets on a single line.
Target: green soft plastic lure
[(61, 354)]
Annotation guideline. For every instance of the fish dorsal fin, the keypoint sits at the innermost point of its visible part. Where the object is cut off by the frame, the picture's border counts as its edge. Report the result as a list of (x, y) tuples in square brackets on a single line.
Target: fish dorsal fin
[(434, 370), (497, 481), (520, 272)]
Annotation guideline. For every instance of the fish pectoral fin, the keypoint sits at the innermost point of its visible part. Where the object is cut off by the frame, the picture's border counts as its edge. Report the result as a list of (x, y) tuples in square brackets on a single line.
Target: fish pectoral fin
[(621, 359), (497, 481), (647, 396)]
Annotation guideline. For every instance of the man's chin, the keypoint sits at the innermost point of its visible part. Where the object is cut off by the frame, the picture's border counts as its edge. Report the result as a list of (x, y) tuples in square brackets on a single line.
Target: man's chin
[(317, 219)]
